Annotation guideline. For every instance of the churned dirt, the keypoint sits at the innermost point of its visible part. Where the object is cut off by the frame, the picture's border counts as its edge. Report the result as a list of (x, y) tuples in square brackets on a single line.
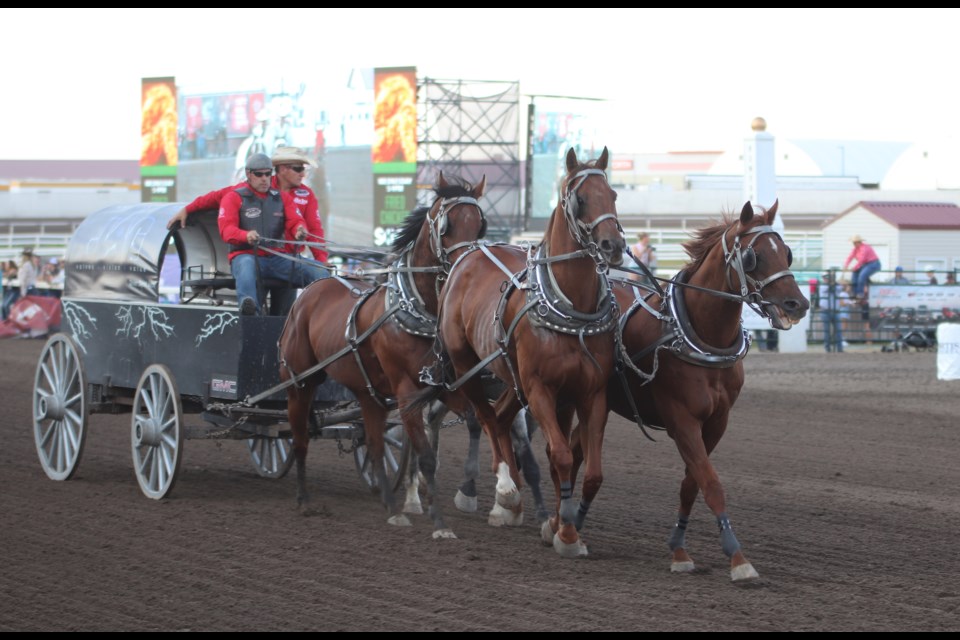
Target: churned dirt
[(842, 480)]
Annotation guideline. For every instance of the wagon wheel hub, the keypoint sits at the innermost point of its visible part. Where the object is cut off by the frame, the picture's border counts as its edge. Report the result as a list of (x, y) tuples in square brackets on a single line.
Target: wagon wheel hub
[(51, 407), (148, 432)]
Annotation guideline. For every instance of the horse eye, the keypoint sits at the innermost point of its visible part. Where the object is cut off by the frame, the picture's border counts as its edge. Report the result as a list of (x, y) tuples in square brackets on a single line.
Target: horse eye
[(789, 257)]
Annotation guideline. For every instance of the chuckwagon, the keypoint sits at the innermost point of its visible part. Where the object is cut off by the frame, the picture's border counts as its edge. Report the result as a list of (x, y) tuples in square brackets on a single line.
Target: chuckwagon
[(184, 363)]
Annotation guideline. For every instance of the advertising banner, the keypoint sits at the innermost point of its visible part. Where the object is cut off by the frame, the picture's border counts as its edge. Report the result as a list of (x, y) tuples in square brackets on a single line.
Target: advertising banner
[(912, 297), (394, 150), (159, 132)]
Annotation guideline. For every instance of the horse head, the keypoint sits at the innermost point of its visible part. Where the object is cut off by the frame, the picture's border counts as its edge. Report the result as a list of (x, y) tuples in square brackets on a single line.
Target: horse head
[(758, 265), (589, 207), (455, 220)]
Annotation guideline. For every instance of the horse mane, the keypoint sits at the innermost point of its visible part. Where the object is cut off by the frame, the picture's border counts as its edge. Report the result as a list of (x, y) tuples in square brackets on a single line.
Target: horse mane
[(455, 188), (703, 240)]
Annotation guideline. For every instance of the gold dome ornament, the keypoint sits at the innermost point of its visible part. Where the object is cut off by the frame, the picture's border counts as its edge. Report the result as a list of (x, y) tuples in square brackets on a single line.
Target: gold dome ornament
[(758, 124)]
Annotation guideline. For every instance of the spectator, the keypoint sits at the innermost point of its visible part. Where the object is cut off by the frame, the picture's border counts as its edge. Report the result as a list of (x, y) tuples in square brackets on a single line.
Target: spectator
[(932, 276), (898, 277), (28, 273), (10, 292), (255, 211), (833, 309), (645, 256), (867, 264), (951, 278)]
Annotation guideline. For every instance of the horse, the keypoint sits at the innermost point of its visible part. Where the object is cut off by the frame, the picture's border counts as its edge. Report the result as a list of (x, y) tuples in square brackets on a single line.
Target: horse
[(373, 338), (465, 500), (683, 347), (544, 321)]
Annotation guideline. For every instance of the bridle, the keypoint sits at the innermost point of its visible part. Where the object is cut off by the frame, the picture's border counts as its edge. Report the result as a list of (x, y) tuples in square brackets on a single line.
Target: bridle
[(742, 261), (582, 231), (438, 225)]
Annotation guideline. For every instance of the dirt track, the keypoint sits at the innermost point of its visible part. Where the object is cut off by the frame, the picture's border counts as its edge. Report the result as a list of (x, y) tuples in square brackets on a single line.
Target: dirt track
[(840, 470)]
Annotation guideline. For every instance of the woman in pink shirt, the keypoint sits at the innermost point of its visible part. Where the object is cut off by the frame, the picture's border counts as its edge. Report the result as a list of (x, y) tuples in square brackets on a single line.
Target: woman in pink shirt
[(867, 264)]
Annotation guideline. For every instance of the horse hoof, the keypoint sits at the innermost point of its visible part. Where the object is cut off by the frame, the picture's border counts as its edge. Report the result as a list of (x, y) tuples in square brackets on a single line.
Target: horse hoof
[(569, 550), (682, 567), (446, 534), (465, 503), (743, 572), (502, 517), (546, 533), (399, 521)]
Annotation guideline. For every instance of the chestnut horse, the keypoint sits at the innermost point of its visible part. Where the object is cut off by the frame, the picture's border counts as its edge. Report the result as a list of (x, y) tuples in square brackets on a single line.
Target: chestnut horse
[(544, 322), (685, 354), (375, 338)]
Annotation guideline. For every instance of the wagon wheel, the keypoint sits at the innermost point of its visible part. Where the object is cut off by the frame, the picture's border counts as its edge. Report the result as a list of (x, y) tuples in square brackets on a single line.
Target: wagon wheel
[(272, 457), (156, 432), (396, 458), (60, 407)]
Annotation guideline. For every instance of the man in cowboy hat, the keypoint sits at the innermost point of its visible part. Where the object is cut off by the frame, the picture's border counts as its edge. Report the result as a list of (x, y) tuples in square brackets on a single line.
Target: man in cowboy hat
[(867, 264), (291, 166)]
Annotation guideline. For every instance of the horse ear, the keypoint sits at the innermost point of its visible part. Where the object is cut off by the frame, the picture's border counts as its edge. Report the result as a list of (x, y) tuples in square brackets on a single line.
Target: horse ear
[(772, 211), (572, 162), (746, 214), (478, 190), (441, 181), (602, 161)]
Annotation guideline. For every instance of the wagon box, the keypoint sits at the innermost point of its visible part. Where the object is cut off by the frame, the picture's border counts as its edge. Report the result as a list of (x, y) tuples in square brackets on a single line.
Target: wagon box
[(127, 347)]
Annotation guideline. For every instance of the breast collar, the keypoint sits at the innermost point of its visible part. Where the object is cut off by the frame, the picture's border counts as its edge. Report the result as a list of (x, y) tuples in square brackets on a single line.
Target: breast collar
[(684, 341), (553, 310), (412, 315)]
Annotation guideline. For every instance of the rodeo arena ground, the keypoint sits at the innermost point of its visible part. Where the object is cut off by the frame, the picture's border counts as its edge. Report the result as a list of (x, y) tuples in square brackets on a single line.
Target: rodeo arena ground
[(839, 472)]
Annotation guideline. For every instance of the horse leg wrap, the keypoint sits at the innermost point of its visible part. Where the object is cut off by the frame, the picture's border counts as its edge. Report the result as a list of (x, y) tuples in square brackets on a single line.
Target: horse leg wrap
[(727, 540), (581, 514), (566, 490), (568, 511), (679, 533)]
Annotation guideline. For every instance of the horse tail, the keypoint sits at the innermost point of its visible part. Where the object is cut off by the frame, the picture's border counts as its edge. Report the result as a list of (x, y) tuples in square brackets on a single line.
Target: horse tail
[(417, 401)]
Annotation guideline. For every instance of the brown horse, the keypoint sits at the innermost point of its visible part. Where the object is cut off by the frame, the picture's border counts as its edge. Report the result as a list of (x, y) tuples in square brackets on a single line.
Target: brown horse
[(375, 339), (544, 323), (686, 352)]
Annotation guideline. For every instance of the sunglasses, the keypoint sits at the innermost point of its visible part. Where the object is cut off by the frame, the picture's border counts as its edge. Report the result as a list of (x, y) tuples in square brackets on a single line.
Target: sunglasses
[(261, 174), (297, 169)]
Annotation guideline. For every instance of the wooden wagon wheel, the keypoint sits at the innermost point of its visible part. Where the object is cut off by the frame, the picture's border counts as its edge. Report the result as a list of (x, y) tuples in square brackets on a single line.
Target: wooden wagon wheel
[(156, 432), (396, 458), (60, 407), (272, 457)]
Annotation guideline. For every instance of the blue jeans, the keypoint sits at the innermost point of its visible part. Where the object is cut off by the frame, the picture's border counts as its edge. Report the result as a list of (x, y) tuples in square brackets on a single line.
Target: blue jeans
[(861, 276), (832, 330), (299, 273)]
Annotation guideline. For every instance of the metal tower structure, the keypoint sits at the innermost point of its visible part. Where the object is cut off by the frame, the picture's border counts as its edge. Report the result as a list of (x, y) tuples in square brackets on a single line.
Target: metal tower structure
[(471, 129)]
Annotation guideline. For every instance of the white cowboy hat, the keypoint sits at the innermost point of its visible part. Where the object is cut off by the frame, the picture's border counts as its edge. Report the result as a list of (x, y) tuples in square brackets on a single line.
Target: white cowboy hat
[(291, 155), (856, 238)]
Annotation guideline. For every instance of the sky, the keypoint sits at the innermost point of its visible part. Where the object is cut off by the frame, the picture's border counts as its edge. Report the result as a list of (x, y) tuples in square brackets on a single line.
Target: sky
[(672, 79)]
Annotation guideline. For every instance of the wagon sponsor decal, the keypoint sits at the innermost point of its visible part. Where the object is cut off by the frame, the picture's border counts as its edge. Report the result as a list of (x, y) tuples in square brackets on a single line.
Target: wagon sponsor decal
[(223, 386), (138, 322), (80, 321), (216, 324)]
